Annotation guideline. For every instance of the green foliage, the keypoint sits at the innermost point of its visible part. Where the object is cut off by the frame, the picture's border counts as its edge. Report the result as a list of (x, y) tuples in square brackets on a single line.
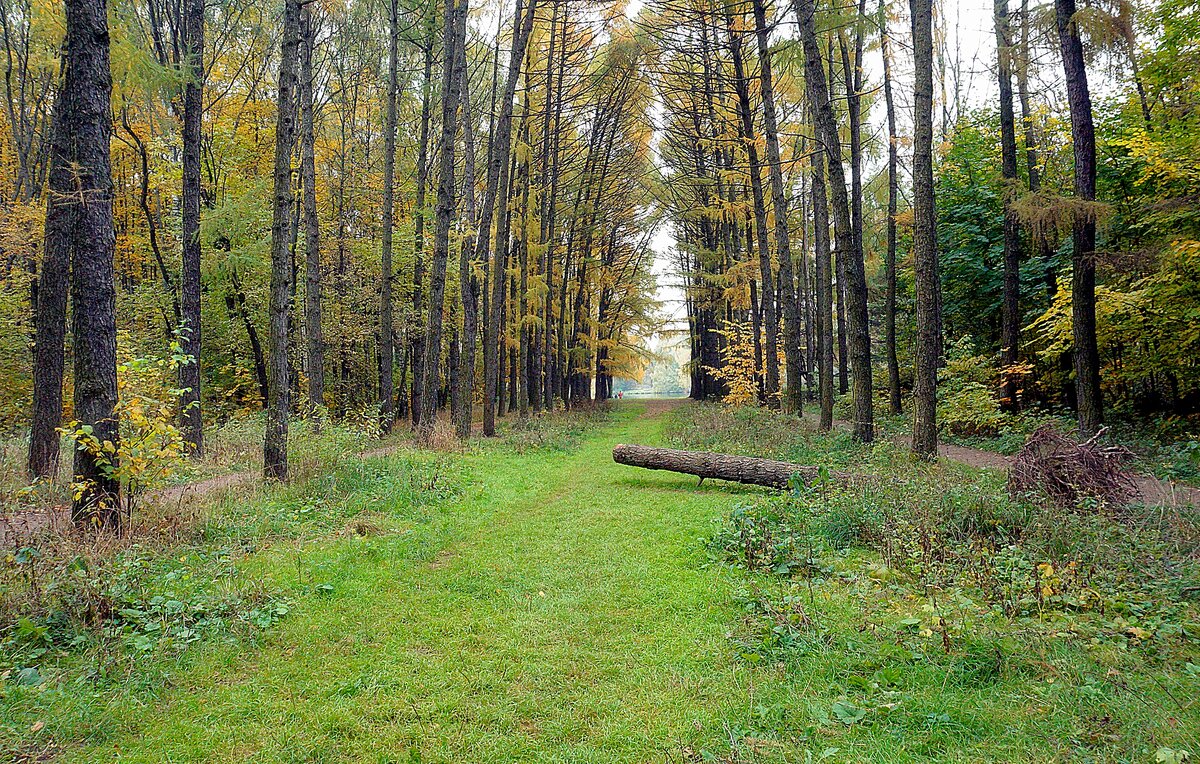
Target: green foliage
[(967, 404), (150, 446)]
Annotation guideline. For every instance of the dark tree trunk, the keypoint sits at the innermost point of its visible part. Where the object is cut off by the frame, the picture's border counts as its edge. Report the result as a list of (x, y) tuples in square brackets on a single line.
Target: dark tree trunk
[(856, 286), (87, 118), (193, 111), (928, 349), (766, 311), (416, 334), (387, 275), (1083, 280), (463, 390), (824, 291), (50, 319), (497, 189), (793, 399), (1010, 326), (275, 454), (454, 34), (315, 339), (889, 318)]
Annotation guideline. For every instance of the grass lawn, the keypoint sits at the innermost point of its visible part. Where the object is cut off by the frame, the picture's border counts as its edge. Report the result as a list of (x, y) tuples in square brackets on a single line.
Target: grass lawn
[(562, 608)]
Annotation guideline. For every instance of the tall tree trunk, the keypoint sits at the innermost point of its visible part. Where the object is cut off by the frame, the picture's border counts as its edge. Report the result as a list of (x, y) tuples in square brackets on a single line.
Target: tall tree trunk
[(193, 111), (315, 339), (792, 327), (454, 34), (497, 188), (50, 319), (856, 286), (928, 349), (889, 318), (770, 320), (387, 275), (468, 282), (824, 291), (1083, 280), (275, 454), (418, 293), (1010, 328), (87, 117)]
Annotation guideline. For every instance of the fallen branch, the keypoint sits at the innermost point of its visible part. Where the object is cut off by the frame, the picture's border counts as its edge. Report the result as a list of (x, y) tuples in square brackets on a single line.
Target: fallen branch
[(1067, 472), (704, 464)]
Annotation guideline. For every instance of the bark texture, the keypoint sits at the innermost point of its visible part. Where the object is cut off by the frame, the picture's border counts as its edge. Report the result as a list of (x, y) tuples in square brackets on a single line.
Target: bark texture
[(1083, 279), (88, 118), (275, 456), (928, 345), (705, 464)]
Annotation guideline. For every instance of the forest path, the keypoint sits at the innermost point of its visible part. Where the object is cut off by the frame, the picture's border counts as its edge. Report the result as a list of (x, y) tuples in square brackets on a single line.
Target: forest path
[(559, 611)]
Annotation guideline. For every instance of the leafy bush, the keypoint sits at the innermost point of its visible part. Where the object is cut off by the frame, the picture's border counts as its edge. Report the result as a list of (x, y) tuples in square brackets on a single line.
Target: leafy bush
[(967, 405)]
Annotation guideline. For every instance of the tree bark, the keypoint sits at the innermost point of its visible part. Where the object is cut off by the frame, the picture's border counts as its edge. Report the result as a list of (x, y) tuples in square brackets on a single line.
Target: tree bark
[(889, 318), (928, 349), (454, 34), (193, 111), (387, 350), (463, 392), (770, 320), (87, 119), (824, 291), (275, 454), (497, 189), (1083, 280), (738, 469), (50, 318), (856, 286), (1010, 324), (315, 339), (793, 399)]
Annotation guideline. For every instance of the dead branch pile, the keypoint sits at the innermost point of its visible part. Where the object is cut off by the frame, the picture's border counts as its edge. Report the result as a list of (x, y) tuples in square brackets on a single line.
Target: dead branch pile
[(1066, 472)]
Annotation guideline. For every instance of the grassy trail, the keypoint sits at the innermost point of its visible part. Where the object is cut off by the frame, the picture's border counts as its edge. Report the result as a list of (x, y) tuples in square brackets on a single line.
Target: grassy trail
[(556, 613)]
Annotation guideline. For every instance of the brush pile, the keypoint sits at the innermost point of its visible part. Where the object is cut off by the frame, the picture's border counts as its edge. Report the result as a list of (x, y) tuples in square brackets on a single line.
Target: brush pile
[(1069, 474)]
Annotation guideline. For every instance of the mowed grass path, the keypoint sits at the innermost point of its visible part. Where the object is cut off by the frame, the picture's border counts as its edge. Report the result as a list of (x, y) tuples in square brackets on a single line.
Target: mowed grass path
[(558, 612)]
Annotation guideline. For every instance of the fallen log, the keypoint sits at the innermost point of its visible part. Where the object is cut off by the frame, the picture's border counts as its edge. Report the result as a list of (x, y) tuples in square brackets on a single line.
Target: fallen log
[(705, 464)]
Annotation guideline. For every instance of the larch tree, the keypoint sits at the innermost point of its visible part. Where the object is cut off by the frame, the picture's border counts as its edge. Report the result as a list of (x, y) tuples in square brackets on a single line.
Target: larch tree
[(87, 118), (189, 300), (275, 446), (928, 346), (1089, 402)]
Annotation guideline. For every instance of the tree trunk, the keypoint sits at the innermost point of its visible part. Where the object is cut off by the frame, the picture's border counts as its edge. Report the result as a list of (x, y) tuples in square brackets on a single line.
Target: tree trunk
[(792, 323), (193, 111), (928, 349), (824, 291), (315, 339), (415, 346), (497, 188), (893, 363), (856, 286), (50, 319), (1083, 280), (770, 320), (87, 119), (1010, 327), (275, 455), (468, 283), (387, 324), (454, 34), (738, 469)]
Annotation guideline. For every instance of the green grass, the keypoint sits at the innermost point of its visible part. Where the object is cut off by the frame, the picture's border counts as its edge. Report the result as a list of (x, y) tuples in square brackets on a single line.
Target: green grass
[(557, 607)]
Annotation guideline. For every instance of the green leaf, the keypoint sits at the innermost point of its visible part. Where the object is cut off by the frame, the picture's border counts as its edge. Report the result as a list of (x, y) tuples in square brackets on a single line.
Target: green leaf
[(847, 713)]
